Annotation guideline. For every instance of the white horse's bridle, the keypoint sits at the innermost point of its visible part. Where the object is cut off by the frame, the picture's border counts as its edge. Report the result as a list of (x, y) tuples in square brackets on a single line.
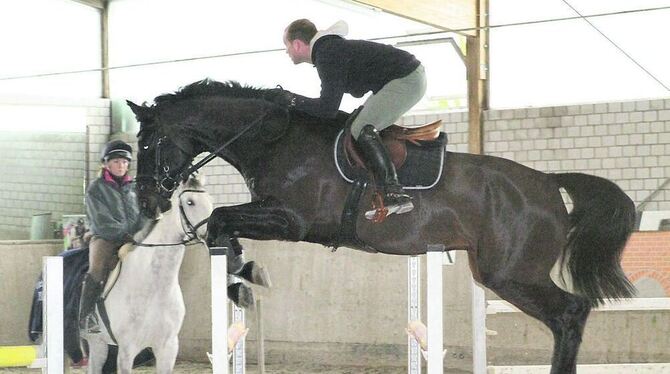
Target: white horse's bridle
[(190, 230)]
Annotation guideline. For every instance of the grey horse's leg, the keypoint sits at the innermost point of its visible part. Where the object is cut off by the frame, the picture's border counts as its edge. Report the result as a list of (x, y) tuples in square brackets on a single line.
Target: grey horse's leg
[(125, 359), (166, 355), (97, 355)]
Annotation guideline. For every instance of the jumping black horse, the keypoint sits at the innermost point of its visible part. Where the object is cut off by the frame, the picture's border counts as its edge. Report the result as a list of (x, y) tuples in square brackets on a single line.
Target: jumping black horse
[(511, 219)]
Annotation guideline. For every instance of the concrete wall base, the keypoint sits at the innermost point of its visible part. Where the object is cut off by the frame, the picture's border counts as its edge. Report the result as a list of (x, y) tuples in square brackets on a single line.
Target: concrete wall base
[(659, 368)]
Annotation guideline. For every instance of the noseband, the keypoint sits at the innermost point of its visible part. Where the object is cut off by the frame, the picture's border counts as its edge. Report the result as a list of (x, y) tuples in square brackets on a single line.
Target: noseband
[(163, 180), (191, 230)]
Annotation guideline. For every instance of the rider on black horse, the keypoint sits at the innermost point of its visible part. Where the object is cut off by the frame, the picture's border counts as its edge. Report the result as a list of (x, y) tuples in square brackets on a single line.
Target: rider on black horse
[(395, 77)]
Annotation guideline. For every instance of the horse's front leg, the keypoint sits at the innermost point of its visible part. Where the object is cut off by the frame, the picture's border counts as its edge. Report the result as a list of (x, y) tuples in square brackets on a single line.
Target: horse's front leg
[(97, 355), (166, 355), (125, 359), (251, 271), (266, 219)]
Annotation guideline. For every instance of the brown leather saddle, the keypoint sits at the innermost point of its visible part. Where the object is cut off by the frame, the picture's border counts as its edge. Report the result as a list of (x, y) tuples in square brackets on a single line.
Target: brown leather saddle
[(395, 139), (420, 149)]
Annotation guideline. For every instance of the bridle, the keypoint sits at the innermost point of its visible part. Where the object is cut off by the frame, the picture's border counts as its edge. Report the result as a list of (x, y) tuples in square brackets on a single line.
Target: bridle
[(165, 181), (190, 230)]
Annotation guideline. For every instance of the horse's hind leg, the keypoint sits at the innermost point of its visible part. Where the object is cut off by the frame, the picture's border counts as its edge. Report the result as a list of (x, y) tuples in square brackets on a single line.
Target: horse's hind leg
[(166, 356), (565, 315)]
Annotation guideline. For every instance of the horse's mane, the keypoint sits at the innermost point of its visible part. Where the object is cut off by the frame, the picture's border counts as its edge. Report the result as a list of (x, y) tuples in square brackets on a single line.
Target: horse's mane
[(208, 88), (201, 89)]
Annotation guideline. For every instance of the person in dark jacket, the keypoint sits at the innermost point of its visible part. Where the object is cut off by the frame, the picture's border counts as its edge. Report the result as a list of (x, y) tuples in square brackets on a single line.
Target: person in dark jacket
[(114, 217), (395, 77)]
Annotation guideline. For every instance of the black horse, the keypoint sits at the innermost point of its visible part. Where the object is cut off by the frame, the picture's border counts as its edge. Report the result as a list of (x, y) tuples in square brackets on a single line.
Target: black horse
[(510, 219)]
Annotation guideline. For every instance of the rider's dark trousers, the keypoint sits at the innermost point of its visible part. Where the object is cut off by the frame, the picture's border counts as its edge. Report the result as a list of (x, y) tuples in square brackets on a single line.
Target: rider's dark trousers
[(102, 257)]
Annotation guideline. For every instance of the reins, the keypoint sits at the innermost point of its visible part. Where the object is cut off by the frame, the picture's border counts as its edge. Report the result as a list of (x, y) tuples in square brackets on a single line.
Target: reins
[(169, 181), (213, 155)]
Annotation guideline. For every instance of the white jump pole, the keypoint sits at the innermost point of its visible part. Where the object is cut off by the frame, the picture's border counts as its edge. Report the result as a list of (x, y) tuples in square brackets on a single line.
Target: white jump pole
[(52, 315), (413, 312), (435, 358), (219, 276), (239, 358), (478, 329)]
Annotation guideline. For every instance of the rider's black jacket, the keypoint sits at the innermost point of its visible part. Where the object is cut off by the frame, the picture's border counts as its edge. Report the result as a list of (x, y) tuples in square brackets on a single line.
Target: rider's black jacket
[(354, 67), (112, 210)]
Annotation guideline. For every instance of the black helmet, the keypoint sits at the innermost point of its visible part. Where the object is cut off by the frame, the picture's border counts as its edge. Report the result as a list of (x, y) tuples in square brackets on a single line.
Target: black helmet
[(117, 149)]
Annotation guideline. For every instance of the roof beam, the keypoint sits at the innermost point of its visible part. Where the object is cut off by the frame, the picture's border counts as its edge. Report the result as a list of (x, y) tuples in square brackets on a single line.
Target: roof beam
[(447, 15), (104, 44), (98, 4)]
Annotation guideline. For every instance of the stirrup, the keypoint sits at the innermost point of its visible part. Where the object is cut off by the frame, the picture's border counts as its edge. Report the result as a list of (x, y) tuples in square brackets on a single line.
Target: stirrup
[(91, 325), (373, 214), (380, 211)]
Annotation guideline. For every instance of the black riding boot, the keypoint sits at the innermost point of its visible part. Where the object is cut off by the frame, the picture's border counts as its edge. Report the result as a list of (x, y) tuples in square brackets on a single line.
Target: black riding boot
[(379, 162), (90, 293)]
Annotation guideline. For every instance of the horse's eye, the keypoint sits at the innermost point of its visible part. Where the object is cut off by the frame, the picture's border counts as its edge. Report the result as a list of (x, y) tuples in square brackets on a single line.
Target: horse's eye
[(145, 147)]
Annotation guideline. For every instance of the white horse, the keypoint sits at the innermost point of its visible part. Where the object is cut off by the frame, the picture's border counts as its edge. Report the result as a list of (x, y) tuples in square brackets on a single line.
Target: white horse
[(145, 306)]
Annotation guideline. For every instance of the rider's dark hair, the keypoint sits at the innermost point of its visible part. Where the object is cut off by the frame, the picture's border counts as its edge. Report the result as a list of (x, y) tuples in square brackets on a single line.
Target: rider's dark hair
[(301, 29)]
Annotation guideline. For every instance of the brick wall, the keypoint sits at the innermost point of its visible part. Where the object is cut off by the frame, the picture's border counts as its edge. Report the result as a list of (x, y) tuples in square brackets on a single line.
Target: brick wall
[(647, 256), (44, 172), (225, 184), (627, 142)]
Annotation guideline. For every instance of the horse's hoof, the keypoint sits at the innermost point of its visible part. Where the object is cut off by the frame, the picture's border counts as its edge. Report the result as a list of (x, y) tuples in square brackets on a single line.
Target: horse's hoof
[(261, 276), (256, 274), (246, 298), (242, 295)]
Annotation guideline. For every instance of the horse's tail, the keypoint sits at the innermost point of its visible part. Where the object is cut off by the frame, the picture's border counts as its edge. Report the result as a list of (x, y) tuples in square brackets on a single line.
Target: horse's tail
[(601, 221)]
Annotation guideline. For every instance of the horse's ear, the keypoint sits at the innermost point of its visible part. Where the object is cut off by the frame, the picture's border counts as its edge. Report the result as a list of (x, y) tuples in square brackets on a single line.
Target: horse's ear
[(143, 113)]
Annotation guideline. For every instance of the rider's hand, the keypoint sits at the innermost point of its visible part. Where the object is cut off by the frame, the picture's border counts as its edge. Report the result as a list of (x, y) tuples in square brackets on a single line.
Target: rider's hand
[(281, 97), (128, 238)]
